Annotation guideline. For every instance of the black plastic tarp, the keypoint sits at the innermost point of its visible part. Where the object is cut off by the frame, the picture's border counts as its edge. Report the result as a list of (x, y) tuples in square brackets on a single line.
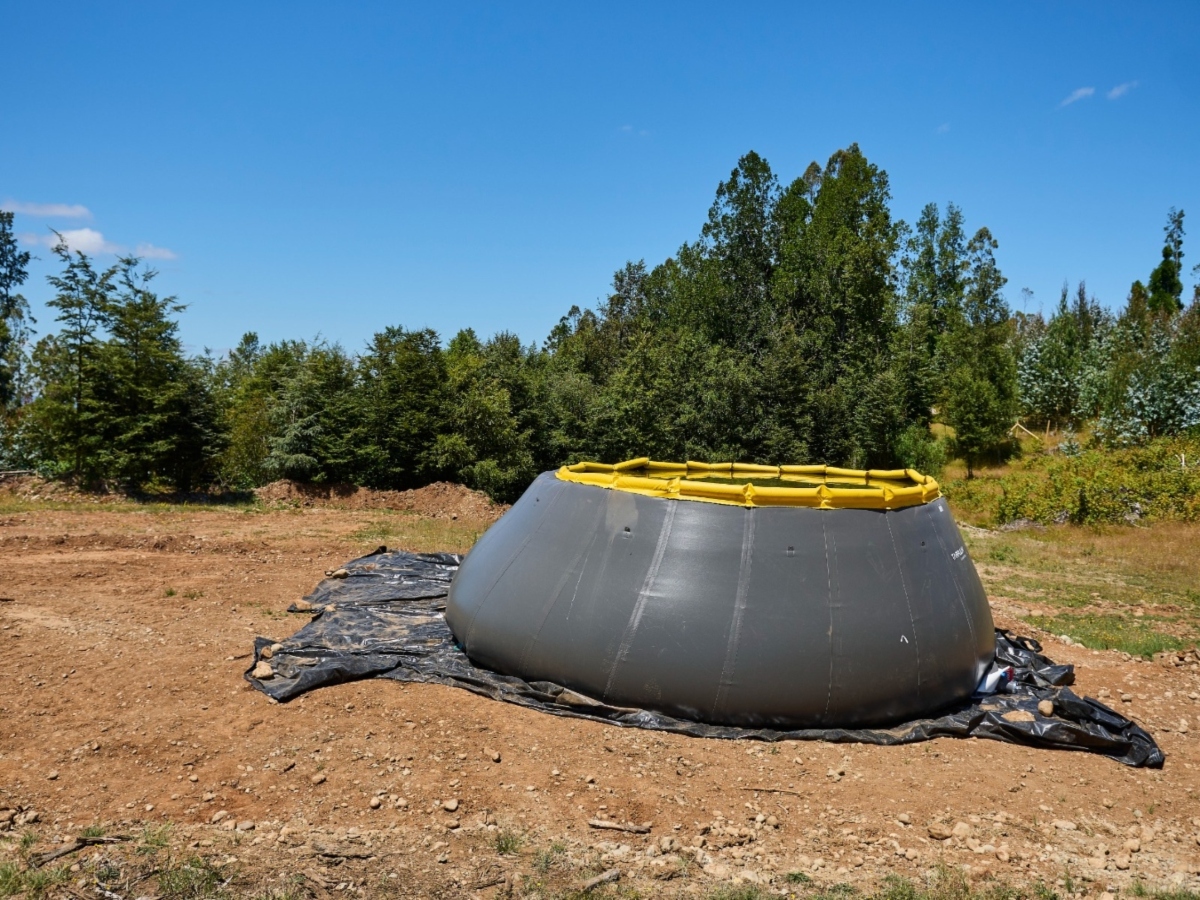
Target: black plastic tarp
[(385, 619)]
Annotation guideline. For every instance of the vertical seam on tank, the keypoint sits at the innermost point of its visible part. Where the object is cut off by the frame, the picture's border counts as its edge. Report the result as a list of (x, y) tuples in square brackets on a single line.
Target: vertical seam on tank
[(487, 595), (739, 610), (907, 600), (635, 617), (829, 607), (584, 553), (962, 599)]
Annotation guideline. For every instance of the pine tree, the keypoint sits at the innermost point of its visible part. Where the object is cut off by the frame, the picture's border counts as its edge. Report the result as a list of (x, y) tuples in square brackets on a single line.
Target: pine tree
[(67, 416), (1166, 283), (152, 402), (980, 395), (14, 313)]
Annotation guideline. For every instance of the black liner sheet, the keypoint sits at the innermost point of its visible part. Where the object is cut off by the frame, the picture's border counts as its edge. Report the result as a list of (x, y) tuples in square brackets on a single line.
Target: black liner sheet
[(385, 619)]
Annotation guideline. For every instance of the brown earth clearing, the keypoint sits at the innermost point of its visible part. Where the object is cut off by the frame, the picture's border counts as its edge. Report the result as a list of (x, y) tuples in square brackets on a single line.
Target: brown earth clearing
[(126, 628)]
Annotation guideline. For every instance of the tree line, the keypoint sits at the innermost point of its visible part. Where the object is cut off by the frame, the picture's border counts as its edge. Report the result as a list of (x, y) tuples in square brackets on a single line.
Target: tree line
[(804, 324)]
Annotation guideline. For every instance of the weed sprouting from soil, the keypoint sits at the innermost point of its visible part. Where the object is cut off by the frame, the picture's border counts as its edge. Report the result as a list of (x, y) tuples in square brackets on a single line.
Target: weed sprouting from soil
[(10, 879), (740, 892), (508, 841), (195, 879), (153, 839), (31, 883), (545, 860)]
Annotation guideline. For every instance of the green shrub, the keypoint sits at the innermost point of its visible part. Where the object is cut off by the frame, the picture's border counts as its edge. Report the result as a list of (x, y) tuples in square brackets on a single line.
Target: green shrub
[(1160, 481)]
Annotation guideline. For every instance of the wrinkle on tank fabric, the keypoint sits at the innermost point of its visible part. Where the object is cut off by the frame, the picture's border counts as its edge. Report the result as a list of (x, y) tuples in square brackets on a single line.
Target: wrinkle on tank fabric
[(401, 633)]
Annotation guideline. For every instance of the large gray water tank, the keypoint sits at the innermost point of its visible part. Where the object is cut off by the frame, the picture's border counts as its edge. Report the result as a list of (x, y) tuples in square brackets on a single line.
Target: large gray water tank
[(757, 616)]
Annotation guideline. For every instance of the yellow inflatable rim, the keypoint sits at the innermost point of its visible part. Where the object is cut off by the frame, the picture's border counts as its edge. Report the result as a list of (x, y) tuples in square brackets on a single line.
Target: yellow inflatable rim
[(867, 489)]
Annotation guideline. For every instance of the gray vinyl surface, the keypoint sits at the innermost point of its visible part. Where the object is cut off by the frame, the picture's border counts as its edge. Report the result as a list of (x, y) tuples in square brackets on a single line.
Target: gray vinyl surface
[(755, 617)]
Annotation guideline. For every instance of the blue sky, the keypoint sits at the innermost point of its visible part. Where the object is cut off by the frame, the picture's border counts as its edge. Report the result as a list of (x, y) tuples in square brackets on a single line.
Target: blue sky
[(300, 169)]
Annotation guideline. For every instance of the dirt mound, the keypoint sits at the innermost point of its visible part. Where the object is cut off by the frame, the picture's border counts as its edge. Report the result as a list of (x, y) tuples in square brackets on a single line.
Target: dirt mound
[(441, 500), (35, 487)]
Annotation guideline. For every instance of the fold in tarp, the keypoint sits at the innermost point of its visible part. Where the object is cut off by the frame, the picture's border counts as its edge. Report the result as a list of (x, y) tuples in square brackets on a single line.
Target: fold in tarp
[(385, 619)]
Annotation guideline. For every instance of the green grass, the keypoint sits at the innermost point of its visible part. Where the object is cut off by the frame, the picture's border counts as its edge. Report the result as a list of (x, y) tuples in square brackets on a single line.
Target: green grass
[(1110, 587), (1139, 889), (153, 839), (419, 533), (739, 892), (30, 883), (1110, 632), (545, 860), (195, 879), (508, 842), (1002, 553), (11, 881)]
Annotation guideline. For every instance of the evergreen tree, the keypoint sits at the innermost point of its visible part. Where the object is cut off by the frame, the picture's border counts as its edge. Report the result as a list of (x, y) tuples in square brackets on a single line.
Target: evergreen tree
[(484, 444), (242, 395), (933, 273), (14, 313), (309, 412), (1057, 361), (1166, 284), (67, 417), (398, 404), (981, 387), (152, 403)]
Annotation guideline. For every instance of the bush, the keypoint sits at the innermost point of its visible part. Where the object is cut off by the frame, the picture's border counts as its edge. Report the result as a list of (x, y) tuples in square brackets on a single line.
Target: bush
[(1160, 481)]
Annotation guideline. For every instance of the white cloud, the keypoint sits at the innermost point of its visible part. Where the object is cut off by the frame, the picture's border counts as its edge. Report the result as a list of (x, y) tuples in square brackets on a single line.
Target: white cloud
[(149, 251), (47, 210), (88, 240), (1121, 90), (93, 242), (85, 240), (943, 128), (1078, 94)]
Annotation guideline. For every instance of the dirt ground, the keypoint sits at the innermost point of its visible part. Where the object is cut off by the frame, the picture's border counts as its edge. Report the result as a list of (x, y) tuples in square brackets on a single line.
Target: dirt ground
[(125, 633)]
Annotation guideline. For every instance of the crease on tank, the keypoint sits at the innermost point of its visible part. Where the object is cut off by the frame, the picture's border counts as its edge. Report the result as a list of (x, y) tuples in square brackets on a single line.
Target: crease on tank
[(829, 609), (602, 570), (583, 553), (635, 617), (739, 611), (907, 601), (579, 580), (487, 595), (962, 598)]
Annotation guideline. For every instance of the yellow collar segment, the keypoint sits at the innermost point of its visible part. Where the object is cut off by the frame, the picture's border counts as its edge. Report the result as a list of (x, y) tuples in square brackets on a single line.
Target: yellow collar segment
[(818, 487)]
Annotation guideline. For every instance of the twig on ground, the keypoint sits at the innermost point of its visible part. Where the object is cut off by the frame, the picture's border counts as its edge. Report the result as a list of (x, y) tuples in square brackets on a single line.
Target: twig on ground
[(40, 859), (767, 790), (608, 877), (620, 826)]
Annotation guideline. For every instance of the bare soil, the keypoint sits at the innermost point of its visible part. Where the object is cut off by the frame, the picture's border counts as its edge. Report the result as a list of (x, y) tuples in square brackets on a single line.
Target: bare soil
[(125, 633), (440, 500)]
